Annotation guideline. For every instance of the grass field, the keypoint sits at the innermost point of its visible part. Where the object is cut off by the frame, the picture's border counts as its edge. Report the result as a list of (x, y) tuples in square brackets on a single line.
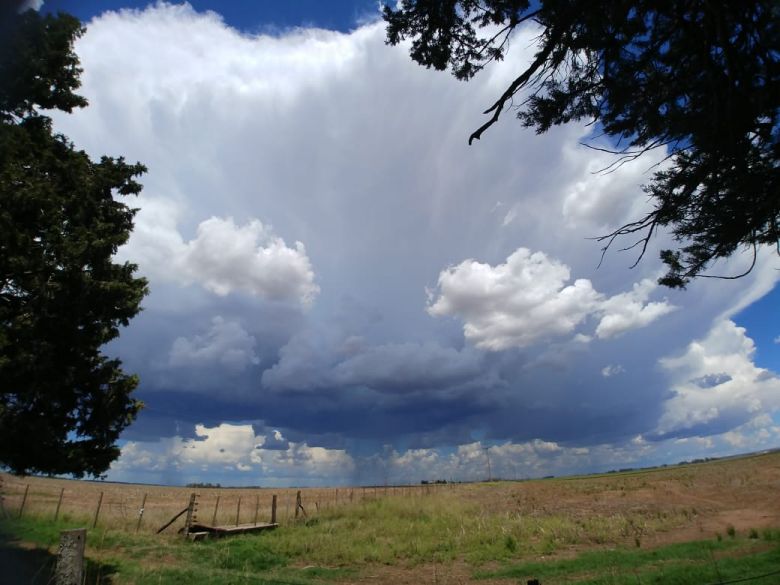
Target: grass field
[(705, 523)]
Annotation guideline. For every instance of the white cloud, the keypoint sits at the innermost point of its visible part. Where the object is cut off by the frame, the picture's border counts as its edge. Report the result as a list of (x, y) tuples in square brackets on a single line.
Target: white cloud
[(526, 300), (274, 441), (630, 310), (716, 384), (226, 345), (612, 370), (233, 448), (226, 257), (222, 258)]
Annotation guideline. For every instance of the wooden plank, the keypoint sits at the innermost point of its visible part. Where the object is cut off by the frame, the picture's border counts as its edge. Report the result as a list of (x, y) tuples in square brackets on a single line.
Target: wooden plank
[(228, 530)]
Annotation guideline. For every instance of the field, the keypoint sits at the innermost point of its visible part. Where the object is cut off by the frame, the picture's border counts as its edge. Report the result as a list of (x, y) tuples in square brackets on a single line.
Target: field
[(704, 523)]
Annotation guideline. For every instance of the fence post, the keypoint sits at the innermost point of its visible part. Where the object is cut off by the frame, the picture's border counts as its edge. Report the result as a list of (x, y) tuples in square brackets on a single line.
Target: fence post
[(59, 503), (216, 507), (190, 513), (70, 557), (24, 499), (273, 509), (97, 510), (238, 509), (257, 506), (141, 513), (3, 511), (299, 504)]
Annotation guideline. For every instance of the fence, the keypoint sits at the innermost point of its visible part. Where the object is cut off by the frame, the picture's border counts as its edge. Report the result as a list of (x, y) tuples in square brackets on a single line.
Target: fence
[(145, 508)]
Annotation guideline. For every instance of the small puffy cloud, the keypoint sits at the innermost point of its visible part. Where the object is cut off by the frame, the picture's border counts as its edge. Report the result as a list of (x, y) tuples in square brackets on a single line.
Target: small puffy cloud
[(527, 299), (516, 303), (226, 257), (274, 441), (226, 344), (630, 310), (225, 444), (223, 257), (716, 385), (610, 370)]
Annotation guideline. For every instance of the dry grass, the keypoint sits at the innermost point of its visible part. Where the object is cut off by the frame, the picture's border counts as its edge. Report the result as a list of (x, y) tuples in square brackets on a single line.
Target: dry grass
[(652, 507), (501, 530), (121, 502)]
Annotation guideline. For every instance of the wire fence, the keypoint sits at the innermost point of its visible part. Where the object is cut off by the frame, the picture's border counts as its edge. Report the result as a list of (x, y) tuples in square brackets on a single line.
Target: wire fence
[(145, 508)]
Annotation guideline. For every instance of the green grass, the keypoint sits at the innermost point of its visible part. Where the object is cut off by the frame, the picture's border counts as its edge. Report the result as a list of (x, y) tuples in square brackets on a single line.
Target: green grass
[(699, 562), (410, 532), (171, 560)]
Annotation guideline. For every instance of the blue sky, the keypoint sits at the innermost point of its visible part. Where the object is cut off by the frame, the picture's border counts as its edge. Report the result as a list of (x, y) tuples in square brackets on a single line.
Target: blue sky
[(344, 292), (247, 16)]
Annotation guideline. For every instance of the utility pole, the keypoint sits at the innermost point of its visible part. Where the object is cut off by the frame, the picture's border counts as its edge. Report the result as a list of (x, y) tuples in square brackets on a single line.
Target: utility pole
[(487, 454)]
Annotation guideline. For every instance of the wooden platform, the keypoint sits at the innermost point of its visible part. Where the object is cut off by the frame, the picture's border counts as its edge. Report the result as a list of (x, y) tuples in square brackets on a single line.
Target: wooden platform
[(200, 531)]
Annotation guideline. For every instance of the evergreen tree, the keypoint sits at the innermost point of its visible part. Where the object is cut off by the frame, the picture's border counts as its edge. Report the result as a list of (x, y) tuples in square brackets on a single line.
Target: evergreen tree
[(63, 403), (698, 78)]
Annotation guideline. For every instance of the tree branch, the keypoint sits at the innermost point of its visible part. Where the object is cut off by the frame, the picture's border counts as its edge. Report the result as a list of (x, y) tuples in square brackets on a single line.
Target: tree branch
[(517, 84)]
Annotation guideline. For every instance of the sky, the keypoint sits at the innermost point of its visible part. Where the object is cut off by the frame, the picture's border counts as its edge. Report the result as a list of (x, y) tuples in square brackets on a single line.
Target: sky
[(344, 292)]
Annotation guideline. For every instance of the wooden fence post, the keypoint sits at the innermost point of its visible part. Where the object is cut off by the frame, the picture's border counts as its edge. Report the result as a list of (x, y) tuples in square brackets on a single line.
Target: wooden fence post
[(257, 506), (191, 507), (238, 509), (273, 509), (97, 510), (24, 499), (59, 503), (299, 505), (3, 511), (70, 557), (141, 514), (216, 507)]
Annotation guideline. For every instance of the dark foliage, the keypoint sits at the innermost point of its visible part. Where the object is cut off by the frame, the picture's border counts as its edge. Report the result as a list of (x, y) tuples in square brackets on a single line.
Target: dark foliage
[(62, 403), (699, 78)]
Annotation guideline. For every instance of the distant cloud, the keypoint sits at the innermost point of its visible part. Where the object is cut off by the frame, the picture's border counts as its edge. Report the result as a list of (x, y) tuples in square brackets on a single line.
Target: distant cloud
[(226, 345), (274, 441), (234, 449), (609, 371), (526, 300), (392, 368), (717, 386)]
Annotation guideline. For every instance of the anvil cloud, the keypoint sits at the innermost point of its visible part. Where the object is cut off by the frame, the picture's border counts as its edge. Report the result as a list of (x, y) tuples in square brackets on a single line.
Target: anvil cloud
[(344, 291)]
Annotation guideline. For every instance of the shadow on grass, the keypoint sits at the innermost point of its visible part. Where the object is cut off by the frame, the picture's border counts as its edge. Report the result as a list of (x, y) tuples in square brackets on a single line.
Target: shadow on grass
[(27, 564)]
